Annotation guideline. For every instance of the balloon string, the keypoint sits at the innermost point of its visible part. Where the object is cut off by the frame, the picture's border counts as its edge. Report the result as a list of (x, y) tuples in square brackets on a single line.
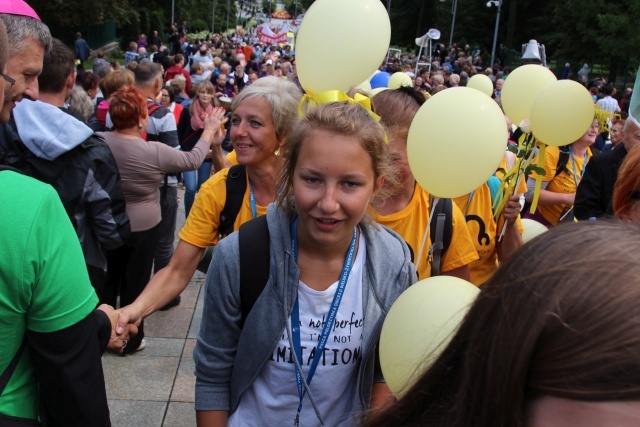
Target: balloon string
[(426, 231)]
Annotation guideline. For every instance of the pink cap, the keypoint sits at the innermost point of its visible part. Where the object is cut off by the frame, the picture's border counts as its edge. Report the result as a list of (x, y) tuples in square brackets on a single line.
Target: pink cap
[(18, 7)]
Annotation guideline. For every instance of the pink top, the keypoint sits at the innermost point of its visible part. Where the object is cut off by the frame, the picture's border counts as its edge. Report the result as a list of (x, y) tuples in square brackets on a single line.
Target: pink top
[(142, 166)]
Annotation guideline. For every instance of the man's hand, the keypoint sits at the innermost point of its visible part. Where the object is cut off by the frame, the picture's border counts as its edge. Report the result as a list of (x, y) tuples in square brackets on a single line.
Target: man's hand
[(118, 340)]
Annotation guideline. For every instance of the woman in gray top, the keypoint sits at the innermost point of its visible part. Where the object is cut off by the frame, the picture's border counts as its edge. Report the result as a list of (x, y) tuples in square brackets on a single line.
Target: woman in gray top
[(142, 166)]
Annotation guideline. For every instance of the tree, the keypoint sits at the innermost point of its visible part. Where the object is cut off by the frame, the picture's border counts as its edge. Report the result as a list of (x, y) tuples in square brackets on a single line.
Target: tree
[(79, 13)]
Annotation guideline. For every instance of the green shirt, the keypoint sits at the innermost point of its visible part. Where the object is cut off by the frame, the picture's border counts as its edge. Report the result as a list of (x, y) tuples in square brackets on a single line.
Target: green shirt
[(44, 285)]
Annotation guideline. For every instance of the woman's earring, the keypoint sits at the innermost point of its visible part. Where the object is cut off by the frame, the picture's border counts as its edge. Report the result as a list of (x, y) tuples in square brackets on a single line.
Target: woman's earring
[(277, 153)]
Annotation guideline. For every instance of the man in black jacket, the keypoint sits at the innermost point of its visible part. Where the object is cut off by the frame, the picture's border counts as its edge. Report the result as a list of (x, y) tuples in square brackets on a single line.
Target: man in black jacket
[(595, 192)]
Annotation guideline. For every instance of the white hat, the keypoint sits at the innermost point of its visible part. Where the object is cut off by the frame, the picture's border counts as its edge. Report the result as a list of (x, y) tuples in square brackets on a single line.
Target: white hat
[(269, 62)]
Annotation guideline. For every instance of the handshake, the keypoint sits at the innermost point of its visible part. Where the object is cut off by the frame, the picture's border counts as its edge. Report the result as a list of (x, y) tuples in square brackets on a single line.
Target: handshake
[(124, 324)]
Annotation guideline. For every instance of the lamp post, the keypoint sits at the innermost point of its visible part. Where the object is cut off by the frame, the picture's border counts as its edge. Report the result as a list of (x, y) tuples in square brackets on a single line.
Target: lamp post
[(497, 3), (173, 6), (454, 9)]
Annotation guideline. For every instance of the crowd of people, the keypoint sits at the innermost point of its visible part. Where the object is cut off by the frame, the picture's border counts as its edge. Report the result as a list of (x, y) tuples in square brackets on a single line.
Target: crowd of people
[(305, 250)]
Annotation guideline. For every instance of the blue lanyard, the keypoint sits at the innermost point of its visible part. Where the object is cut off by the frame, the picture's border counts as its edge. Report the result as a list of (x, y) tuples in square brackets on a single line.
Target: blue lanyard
[(252, 200), (573, 164), (333, 311)]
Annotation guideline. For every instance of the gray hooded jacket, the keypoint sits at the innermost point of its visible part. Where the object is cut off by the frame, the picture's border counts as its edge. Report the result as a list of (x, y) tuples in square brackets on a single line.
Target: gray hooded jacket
[(53, 146), (229, 357)]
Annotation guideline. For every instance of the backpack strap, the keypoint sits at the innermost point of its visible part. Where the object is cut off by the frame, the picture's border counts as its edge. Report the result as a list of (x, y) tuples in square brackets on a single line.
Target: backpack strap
[(151, 108), (236, 187), (253, 239), (8, 372), (562, 160), (441, 229)]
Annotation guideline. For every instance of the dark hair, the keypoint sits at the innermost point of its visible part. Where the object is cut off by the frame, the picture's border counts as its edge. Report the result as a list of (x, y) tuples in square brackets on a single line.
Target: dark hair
[(146, 73), (58, 64), (126, 107), (89, 81), (170, 92), (553, 320), (607, 89)]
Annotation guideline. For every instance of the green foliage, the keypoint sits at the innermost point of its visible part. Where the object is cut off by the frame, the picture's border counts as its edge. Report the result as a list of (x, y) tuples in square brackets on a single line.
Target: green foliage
[(199, 25), (78, 13)]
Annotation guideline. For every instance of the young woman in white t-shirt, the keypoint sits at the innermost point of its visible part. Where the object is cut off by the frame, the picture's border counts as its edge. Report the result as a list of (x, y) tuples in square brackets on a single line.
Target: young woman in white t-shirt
[(306, 352)]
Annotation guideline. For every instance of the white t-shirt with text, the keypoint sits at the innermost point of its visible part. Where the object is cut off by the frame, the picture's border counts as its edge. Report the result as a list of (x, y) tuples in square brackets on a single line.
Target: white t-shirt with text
[(273, 398)]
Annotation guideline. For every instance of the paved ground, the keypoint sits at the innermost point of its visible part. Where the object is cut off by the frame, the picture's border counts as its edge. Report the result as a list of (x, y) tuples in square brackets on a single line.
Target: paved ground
[(155, 387)]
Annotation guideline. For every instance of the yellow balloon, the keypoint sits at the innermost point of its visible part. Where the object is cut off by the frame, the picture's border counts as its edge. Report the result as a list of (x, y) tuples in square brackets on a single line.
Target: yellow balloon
[(532, 228), (521, 88), (399, 79), (361, 26), (482, 83), (456, 141), (562, 113), (419, 326)]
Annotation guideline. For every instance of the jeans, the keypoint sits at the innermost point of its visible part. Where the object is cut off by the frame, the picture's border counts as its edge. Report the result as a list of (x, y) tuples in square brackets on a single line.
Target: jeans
[(167, 227), (192, 182)]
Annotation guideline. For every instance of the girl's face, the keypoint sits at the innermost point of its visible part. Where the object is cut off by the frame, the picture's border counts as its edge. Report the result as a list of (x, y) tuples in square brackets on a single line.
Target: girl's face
[(332, 191), (205, 98), (253, 134)]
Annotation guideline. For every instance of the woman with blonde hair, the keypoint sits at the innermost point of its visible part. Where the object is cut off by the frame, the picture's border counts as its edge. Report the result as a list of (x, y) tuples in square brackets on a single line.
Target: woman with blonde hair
[(306, 351), (262, 117)]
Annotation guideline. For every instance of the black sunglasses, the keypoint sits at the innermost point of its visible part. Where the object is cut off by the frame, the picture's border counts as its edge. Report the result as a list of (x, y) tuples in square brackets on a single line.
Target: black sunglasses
[(8, 79)]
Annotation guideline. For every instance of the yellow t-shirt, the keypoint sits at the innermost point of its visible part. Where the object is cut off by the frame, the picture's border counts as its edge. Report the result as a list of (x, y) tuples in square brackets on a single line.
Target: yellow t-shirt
[(411, 224), (232, 157), (563, 183), (201, 227), (483, 229)]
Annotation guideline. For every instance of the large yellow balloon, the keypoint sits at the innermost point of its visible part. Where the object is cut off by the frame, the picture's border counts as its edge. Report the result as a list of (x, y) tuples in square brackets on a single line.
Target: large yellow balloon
[(399, 79), (482, 83), (456, 141), (521, 89), (418, 327), (532, 228), (362, 30), (562, 113)]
